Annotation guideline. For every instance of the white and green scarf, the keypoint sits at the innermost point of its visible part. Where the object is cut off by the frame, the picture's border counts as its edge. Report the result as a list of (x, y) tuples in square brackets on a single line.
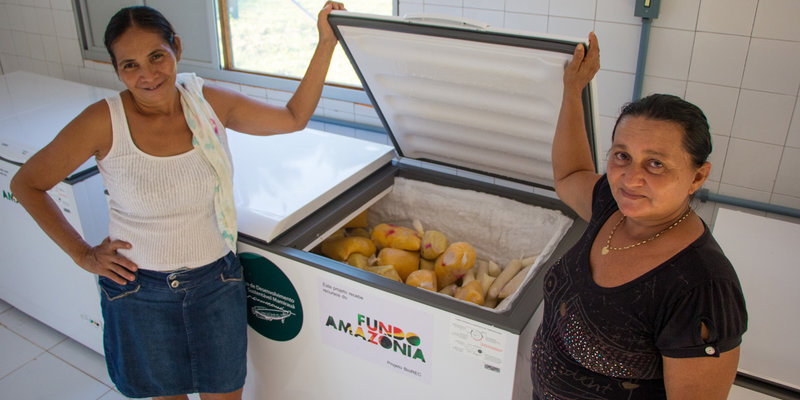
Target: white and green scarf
[(209, 138)]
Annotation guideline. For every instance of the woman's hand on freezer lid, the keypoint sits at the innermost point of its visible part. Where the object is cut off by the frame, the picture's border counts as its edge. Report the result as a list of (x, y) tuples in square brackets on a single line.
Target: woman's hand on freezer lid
[(326, 35), (584, 65), (573, 166)]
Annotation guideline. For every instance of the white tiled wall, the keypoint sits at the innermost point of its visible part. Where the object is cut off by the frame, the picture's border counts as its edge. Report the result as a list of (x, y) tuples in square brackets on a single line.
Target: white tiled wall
[(738, 16), (777, 19), (739, 60), (670, 53), (718, 58)]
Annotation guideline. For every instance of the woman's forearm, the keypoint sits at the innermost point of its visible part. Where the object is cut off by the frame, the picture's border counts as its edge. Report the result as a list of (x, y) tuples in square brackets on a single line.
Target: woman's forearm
[(49, 217), (571, 151), (305, 99), (573, 169)]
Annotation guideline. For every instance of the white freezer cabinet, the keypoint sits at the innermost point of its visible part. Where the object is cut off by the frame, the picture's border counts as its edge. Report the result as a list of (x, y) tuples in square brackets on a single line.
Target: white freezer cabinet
[(36, 276), (354, 331), (458, 96)]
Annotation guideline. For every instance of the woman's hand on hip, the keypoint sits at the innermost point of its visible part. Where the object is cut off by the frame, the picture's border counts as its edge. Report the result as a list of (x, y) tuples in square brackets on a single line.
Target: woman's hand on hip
[(104, 260)]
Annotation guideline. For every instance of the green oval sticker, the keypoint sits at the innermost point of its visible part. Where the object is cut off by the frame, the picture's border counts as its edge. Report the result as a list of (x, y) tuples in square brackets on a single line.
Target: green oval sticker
[(273, 306)]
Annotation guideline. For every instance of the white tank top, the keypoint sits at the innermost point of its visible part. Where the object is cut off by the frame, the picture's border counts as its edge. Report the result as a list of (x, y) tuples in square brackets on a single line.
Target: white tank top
[(162, 206)]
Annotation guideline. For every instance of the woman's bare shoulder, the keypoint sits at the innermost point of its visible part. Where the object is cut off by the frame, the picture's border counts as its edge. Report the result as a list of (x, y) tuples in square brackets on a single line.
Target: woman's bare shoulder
[(92, 127), (221, 99), (98, 111)]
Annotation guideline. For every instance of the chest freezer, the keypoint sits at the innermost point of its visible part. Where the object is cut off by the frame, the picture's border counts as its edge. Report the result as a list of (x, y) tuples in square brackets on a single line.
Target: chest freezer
[(36, 276), (459, 98), (763, 250)]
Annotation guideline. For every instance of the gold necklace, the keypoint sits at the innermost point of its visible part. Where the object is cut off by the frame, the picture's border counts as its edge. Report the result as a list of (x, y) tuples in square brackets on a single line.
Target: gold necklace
[(607, 248)]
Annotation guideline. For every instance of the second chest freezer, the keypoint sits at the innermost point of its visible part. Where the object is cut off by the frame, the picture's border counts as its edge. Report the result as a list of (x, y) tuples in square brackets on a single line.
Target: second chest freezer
[(465, 98), (36, 276)]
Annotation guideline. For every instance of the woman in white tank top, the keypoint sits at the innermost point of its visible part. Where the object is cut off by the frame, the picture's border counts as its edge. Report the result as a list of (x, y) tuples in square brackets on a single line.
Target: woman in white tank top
[(170, 226)]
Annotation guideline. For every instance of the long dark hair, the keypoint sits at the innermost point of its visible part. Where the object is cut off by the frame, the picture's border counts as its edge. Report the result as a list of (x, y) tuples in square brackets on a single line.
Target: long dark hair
[(665, 107), (139, 16)]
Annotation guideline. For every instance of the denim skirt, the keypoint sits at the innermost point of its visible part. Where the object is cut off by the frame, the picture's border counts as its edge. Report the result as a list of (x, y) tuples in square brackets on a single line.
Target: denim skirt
[(170, 333)]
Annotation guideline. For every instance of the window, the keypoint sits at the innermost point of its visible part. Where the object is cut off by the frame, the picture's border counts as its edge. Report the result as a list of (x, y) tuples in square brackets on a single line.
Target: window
[(193, 20), (278, 37), (267, 42)]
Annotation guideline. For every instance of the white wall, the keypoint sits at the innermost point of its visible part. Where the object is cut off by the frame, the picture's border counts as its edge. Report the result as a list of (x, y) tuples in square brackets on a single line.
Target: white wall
[(739, 60)]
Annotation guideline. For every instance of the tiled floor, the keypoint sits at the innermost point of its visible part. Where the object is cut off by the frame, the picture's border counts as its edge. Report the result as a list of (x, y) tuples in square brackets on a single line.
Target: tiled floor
[(39, 363)]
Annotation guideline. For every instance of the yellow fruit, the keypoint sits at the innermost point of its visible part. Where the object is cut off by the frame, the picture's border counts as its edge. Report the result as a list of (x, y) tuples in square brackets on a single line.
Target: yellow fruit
[(422, 278), (358, 260), (387, 271), (434, 243), (341, 248), (471, 292), (398, 237), (427, 264), (454, 263), (360, 221), (358, 232), (405, 262)]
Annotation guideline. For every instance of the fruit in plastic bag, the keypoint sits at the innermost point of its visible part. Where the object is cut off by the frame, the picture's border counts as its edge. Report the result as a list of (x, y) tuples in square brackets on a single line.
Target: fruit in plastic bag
[(454, 263), (405, 262), (471, 292), (398, 237), (422, 278), (386, 271), (341, 248), (433, 244)]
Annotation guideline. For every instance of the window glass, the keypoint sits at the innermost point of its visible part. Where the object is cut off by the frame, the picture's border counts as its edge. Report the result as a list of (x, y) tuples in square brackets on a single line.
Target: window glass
[(278, 37)]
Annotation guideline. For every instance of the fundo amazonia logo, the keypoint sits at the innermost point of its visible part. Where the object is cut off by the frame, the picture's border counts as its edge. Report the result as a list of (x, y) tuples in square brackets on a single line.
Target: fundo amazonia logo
[(374, 332)]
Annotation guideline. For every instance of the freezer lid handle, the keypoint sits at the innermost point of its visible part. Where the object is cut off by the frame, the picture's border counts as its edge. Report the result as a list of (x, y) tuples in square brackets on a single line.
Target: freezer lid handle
[(446, 20)]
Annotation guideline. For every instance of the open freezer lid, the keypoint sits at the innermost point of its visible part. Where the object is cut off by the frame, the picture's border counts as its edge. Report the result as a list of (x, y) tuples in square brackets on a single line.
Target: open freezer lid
[(461, 94), (280, 180)]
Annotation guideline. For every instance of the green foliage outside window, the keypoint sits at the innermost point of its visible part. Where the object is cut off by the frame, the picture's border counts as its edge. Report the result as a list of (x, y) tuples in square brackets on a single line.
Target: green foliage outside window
[(278, 37)]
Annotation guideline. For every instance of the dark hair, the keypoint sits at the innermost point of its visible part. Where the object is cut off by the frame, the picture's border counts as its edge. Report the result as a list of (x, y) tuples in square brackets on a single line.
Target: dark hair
[(139, 16), (666, 107)]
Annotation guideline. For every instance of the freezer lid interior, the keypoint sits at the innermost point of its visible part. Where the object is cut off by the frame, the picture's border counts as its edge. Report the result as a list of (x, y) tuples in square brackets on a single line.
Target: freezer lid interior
[(462, 95), (280, 180)]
